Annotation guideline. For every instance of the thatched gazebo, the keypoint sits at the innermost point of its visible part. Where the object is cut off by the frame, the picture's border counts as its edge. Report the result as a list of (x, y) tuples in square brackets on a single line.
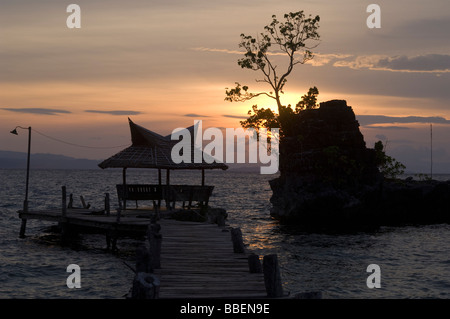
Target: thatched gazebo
[(151, 150)]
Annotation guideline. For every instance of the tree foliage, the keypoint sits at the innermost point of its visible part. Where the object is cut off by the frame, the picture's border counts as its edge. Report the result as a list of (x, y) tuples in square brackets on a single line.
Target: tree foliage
[(266, 118), (308, 101), (260, 118), (387, 165), (291, 38)]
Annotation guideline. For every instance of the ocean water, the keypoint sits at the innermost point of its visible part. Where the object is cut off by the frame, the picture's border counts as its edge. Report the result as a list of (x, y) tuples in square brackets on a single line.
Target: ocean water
[(414, 260)]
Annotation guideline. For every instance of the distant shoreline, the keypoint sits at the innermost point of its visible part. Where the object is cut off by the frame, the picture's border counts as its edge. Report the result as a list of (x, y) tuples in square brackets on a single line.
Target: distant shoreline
[(17, 160)]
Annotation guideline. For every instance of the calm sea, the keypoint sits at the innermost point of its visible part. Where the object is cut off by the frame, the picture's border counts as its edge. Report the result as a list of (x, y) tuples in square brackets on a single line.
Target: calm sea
[(414, 261)]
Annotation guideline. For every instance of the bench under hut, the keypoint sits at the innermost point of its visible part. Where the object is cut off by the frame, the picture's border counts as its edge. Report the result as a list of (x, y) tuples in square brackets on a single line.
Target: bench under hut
[(153, 151)]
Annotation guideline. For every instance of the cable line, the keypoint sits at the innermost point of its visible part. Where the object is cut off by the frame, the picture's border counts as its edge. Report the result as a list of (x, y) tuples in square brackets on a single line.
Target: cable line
[(78, 145)]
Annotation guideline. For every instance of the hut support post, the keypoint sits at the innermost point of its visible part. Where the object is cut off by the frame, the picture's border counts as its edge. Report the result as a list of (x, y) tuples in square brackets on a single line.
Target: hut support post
[(159, 183), (107, 205), (119, 212), (168, 190), (168, 177), (124, 182)]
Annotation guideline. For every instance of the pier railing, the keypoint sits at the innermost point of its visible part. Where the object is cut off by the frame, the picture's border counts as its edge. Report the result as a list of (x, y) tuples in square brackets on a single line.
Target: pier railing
[(169, 193)]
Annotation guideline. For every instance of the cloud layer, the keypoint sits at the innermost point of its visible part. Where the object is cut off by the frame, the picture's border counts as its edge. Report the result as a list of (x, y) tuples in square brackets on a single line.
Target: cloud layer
[(235, 116), (428, 63), (195, 115), (36, 110), (115, 112), (382, 119)]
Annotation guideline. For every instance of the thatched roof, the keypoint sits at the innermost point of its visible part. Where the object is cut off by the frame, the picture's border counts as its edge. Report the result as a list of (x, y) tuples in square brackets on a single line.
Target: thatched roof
[(151, 150)]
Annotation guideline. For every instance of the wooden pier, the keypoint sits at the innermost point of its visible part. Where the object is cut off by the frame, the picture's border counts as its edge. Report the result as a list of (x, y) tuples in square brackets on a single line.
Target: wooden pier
[(89, 219), (198, 261)]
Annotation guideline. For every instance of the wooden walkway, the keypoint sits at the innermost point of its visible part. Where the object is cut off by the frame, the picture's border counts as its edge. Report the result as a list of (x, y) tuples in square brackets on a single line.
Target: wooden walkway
[(197, 261), (86, 218)]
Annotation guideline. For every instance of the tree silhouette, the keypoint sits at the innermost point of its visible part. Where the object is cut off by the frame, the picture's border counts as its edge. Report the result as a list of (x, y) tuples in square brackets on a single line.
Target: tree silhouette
[(291, 38), (266, 118), (308, 101), (388, 166)]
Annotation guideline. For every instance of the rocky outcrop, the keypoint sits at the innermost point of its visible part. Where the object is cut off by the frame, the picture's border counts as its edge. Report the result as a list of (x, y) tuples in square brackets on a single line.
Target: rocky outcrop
[(414, 202), (329, 178), (326, 145)]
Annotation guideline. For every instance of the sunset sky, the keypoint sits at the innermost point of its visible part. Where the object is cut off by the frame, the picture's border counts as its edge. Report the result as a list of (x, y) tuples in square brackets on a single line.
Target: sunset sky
[(166, 63)]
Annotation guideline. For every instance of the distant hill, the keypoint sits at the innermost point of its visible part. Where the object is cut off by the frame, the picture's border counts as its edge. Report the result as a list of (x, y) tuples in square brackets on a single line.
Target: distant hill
[(18, 160)]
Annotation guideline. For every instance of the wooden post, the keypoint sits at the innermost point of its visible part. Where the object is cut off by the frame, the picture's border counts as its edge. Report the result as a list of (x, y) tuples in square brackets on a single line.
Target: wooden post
[(203, 177), (107, 205), (145, 286), (83, 202), (168, 195), (155, 241), (111, 235), (238, 243), (70, 205), (221, 220), (272, 277), (160, 185), (143, 261), (111, 240), (431, 151), (64, 200), (63, 213), (254, 264), (25, 202), (124, 182), (23, 225), (119, 210)]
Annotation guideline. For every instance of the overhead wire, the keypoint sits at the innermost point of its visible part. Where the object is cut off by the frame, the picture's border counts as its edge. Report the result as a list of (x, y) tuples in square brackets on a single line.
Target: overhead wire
[(77, 145)]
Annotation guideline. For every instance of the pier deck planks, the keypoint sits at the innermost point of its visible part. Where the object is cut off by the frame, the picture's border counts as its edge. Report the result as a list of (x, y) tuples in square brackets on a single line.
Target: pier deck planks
[(197, 261)]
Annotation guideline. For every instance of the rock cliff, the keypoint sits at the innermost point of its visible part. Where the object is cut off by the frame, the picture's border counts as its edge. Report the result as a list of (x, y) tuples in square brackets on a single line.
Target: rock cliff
[(329, 178)]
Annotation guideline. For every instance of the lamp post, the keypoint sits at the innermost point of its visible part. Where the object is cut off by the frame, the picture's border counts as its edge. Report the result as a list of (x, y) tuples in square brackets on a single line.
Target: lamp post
[(431, 151), (25, 202)]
